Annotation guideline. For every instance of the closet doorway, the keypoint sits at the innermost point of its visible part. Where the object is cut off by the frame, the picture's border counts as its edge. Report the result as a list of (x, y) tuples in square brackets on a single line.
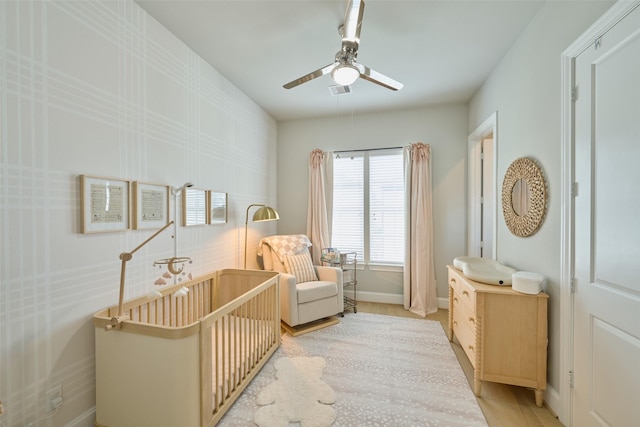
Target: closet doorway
[(482, 149)]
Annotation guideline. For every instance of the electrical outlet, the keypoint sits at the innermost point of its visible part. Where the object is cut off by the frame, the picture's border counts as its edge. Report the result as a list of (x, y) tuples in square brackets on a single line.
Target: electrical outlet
[(54, 398)]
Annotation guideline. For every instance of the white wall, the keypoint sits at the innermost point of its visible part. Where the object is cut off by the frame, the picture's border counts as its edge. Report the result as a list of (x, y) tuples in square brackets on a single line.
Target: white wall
[(100, 88), (444, 128), (525, 90)]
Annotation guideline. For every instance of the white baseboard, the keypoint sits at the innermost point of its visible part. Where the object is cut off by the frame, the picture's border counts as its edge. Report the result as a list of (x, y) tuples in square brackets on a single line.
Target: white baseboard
[(86, 419), (376, 297), (552, 400)]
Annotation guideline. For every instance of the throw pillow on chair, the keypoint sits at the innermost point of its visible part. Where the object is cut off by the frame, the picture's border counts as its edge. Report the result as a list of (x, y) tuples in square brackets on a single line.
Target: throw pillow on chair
[(300, 266)]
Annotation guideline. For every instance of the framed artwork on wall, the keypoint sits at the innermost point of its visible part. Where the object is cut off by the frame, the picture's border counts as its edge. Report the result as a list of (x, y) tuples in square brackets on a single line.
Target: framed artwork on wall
[(104, 204), (150, 205), (195, 205), (218, 211)]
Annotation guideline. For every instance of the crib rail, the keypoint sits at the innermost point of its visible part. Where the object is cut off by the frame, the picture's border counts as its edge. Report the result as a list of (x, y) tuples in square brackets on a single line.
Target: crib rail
[(168, 316), (176, 311), (241, 335)]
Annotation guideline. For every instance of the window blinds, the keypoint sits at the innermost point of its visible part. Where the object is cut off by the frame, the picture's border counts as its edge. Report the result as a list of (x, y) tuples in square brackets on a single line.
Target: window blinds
[(368, 206)]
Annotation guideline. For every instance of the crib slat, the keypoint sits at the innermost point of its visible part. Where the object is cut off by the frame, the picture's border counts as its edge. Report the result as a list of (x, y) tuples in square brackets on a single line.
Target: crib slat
[(263, 304), (258, 325), (229, 378), (244, 334), (234, 351), (216, 389), (184, 308), (189, 316)]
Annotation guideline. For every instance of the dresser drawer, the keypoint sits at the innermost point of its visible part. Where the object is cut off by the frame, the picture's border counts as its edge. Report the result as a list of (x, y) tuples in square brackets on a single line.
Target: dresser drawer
[(462, 313), (466, 291), (467, 339)]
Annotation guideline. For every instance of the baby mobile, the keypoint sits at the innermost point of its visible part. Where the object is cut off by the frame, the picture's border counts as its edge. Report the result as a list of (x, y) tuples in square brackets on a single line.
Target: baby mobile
[(176, 271), (175, 266)]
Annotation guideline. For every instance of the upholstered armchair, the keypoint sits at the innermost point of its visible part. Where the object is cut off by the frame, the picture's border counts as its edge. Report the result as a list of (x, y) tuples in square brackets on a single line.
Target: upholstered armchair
[(307, 292)]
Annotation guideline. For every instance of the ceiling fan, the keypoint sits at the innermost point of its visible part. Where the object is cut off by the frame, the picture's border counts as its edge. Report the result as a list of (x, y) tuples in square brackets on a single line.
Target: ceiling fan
[(345, 70)]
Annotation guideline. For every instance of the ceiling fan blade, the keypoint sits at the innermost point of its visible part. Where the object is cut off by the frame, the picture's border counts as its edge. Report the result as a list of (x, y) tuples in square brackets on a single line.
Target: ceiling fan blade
[(353, 21), (377, 78), (315, 74)]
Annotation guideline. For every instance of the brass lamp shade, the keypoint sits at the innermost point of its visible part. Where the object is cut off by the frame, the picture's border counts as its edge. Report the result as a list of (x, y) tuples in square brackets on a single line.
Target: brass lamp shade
[(265, 213)]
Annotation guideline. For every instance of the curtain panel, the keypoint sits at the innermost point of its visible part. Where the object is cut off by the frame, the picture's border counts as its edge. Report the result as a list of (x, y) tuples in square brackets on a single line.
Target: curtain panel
[(419, 275), (318, 209)]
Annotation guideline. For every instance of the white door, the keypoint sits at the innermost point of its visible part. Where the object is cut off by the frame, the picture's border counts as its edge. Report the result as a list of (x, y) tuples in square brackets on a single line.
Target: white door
[(606, 358), (481, 167), (488, 199)]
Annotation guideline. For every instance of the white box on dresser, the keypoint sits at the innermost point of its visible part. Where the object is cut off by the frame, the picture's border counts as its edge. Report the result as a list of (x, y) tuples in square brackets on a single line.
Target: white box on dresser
[(502, 332)]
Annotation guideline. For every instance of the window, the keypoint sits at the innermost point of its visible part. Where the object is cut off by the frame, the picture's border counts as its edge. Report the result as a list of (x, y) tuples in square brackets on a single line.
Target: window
[(347, 230), (368, 205)]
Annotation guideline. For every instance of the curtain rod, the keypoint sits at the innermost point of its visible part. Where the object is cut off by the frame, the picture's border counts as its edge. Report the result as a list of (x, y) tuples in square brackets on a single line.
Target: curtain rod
[(366, 149)]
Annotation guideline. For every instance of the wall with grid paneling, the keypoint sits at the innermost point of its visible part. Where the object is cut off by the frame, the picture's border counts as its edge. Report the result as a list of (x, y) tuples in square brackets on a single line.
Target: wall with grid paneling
[(100, 88)]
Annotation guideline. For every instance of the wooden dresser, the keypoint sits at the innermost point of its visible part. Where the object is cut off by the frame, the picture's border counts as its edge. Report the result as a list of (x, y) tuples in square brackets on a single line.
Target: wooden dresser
[(502, 332)]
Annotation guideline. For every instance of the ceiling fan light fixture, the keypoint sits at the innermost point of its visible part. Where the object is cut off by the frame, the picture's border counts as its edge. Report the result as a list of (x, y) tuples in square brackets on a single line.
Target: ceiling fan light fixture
[(345, 74), (345, 69)]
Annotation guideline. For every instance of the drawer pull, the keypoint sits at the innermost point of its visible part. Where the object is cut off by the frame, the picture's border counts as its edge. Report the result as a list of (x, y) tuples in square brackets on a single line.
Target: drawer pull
[(453, 280), (455, 299), (455, 322), (465, 293), (471, 319), (470, 347)]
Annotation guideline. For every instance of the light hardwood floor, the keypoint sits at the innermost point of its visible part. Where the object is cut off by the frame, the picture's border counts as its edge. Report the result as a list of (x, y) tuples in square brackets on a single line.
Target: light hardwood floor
[(503, 405)]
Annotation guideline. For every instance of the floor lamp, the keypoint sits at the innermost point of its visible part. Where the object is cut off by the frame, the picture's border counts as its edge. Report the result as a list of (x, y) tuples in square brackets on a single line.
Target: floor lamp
[(265, 213)]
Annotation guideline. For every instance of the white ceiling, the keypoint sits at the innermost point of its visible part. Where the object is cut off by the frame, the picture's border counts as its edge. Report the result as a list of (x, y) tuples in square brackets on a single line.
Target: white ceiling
[(442, 51)]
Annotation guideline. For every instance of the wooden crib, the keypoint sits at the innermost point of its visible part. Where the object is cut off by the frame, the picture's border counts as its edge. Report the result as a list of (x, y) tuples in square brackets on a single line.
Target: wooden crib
[(183, 360)]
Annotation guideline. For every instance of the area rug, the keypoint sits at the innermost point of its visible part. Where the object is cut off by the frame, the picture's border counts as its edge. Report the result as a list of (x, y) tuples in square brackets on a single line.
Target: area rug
[(385, 371)]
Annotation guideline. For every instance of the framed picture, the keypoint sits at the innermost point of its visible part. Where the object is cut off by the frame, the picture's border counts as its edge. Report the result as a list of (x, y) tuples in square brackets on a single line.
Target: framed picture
[(218, 210), (104, 204), (195, 205), (150, 205)]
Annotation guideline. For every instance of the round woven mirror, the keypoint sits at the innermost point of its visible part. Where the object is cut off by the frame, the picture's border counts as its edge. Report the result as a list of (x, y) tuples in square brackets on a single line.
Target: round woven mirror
[(524, 197)]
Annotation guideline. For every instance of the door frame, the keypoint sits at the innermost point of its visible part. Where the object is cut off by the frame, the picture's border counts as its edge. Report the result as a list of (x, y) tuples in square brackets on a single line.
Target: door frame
[(489, 126), (610, 18)]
